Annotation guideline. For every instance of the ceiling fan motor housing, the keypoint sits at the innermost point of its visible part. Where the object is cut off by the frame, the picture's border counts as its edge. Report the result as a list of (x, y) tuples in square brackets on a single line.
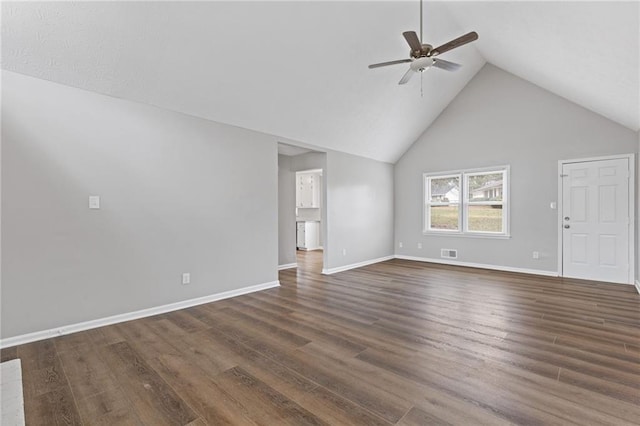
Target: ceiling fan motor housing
[(426, 49)]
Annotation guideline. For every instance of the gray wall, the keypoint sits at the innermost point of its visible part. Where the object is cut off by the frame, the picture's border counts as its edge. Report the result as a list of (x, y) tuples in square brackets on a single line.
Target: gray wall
[(309, 161), (179, 194), (638, 213), (286, 211), (359, 217), (499, 119)]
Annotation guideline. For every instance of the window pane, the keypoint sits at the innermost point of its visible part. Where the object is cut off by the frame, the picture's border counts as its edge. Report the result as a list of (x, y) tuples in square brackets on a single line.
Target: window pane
[(484, 218), (444, 217), (445, 189), (485, 187)]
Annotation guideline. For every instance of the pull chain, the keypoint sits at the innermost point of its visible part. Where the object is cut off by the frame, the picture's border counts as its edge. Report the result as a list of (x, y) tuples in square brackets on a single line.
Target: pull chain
[(421, 94)]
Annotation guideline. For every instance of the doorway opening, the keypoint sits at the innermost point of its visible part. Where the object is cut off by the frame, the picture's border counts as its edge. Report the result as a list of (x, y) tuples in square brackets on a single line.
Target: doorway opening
[(301, 208), (309, 219)]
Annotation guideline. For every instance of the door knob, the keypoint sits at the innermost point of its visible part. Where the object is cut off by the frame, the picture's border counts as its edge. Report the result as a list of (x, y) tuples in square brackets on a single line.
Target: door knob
[(566, 218), (567, 226)]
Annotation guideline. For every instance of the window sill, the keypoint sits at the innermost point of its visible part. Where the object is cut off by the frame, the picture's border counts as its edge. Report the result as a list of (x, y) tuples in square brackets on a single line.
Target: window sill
[(468, 235)]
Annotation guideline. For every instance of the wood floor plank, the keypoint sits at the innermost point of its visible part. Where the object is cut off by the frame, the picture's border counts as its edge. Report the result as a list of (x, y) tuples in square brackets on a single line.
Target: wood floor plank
[(195, 347), (260, 365), (183, 320), (52, 408), (418, 417), (307, 331), (257, 328), (154, 401), (7, 354), (70, 341), (619, 391), (109, 407), (105, 335), (86, 372), (212, 403), (336, 410), (39, 381), (144, 341), (264, 402), (37, 355), (198, 422), (507, 391), (347, 382)]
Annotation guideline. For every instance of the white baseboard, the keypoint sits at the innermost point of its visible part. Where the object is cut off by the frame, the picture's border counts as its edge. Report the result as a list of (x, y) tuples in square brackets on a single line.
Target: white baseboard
[(479, 265), (101, 322), (638, 286), (329, 271), (287, 266)]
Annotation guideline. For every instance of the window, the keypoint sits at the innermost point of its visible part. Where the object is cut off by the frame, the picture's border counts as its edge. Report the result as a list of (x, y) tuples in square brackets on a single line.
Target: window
[(468, 202)]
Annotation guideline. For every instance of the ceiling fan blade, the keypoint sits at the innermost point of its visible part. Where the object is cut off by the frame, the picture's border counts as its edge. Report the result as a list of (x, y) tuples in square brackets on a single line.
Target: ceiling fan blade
[(467, 38), (407, 76), (384, 64), (446, 65), (413, 40)]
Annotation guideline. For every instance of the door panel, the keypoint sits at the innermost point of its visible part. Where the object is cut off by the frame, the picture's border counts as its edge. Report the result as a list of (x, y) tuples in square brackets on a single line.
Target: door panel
[(607, 250), (579, 203), (579, 244), (595, 220), (608, 203)]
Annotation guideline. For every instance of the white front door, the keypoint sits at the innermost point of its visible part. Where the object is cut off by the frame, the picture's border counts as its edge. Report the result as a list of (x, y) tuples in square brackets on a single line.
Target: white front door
[(595, 220)]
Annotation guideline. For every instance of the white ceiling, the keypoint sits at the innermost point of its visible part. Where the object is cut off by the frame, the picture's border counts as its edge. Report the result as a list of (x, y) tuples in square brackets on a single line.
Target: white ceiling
[(299, 69)]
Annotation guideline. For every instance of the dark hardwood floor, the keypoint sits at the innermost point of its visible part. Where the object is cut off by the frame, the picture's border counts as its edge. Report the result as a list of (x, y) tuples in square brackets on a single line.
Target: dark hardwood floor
[(397, 342)]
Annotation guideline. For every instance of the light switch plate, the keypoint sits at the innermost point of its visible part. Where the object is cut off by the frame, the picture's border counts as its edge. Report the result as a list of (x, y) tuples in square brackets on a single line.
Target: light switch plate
[(94, 202)]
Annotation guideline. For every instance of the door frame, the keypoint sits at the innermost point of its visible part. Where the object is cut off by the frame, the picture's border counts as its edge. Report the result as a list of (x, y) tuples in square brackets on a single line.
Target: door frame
[(632, 209)]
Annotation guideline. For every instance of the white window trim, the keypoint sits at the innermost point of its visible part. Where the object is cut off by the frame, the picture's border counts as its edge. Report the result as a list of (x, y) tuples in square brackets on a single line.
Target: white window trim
[(464, 202)]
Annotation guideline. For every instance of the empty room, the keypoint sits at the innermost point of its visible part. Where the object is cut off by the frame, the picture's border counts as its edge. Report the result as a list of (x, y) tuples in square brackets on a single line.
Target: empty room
[(320, 212)]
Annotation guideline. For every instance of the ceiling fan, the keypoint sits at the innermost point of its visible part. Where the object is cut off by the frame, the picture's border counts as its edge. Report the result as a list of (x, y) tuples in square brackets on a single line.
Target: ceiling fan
[(423, 56)]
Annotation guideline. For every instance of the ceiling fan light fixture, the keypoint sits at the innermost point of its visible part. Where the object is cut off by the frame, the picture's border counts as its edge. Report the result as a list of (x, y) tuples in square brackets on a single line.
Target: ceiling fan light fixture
[(422, 64)]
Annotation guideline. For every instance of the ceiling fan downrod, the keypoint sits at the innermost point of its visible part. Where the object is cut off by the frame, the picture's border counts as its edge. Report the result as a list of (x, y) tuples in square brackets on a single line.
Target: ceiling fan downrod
[(421, 39)]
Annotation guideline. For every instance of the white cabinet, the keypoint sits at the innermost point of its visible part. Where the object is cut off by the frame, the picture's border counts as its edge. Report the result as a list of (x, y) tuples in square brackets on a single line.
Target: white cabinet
[(308, 189), (300, 235), (308, 235)]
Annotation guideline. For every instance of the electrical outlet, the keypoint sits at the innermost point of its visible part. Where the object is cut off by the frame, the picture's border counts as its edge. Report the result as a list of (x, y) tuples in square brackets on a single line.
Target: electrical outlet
[(419, 245), (344, 251), (186, 278), (536, 255), (400, 244)]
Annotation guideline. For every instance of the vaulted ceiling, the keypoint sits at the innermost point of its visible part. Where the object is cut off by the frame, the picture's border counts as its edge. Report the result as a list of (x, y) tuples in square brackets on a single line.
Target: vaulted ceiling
[(299, 69)]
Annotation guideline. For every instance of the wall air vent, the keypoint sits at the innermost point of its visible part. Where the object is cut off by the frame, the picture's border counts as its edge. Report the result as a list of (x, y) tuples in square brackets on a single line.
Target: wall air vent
[(449, 253)]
